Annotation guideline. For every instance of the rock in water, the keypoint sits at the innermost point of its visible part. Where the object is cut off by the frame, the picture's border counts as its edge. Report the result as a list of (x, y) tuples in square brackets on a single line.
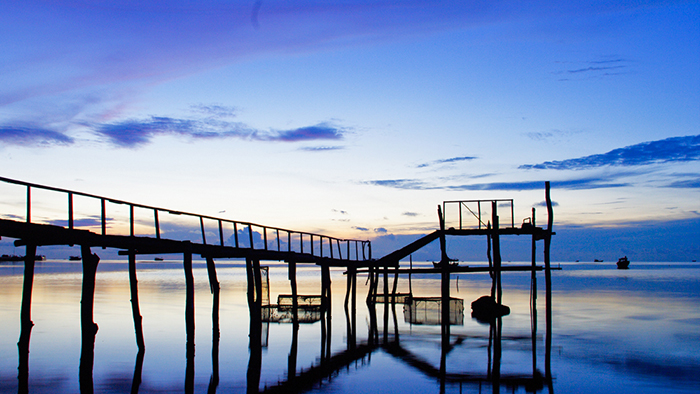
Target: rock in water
[(486, 309)]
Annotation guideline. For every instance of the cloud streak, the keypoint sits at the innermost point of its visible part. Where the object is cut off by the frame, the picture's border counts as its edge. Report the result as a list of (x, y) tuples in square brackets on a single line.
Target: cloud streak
[(30, 136), (131, 134), (669, 150), (447, 161), (572, 184)]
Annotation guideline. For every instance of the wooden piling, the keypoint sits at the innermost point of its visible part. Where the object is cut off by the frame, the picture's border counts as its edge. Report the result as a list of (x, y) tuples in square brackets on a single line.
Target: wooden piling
[(292, 275), (495, 239), (26, 323), (445, 284), (189, 298), (548, 283), (189, 321), (533, 297), (386, 303), (88, 326), (135, 309), (214, 286)]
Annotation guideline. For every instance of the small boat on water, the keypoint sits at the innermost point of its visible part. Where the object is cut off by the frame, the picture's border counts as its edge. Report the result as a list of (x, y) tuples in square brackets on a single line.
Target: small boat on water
[(5, 257), (74, 258), (623, 263)]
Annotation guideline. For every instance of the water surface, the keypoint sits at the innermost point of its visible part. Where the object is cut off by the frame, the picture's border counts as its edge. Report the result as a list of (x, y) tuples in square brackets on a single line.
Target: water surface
[(630, 331)]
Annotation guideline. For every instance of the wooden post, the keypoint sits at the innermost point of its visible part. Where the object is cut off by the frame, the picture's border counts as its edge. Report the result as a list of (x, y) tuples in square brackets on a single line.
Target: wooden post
[(214, 286), (88, 326), (292, 273), (445, 284), (255, 331), (533, 296), (548, 283), (135, 310), (258, 282), (496, 251), (353, 312), (250, 282), (370, 277), (26, 323), (386, 304), (189, 321)]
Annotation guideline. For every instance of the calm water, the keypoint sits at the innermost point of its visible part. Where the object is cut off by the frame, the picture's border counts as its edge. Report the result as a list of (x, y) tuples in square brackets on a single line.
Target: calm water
[(634, 331)]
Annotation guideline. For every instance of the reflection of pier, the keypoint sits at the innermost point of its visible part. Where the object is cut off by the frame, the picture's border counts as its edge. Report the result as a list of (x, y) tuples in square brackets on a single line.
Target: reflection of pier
[(292, 247)]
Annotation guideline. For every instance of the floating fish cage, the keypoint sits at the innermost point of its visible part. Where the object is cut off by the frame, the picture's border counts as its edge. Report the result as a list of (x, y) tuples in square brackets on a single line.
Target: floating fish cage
[(309, 309), (428, 311)]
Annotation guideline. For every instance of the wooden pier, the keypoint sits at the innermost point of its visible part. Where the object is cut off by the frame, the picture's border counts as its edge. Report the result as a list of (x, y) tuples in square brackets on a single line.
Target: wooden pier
[(277, 244)]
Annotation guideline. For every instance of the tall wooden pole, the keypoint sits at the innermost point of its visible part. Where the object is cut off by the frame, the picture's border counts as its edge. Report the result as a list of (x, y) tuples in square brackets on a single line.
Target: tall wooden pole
[(135, 310), (214, 286), (26, 323), (189, 321), (88, 326), (548, 283), (495, 237), (533, 296), (445, 288)]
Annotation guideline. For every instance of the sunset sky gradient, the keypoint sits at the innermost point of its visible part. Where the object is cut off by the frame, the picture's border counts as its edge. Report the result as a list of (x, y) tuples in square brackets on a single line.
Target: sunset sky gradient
[(357, 118)]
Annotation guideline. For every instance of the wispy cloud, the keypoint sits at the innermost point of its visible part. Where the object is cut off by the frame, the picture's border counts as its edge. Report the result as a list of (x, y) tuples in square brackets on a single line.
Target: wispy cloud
[(30, 136), (575, 184), (409, 184), (687, 183), (321, 148), (675, 149), (592, 69), (215, 110), (447, 161), (134, 133)]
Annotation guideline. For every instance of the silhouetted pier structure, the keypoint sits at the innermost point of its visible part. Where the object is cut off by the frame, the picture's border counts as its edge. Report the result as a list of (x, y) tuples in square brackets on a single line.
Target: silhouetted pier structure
[(292, 247)]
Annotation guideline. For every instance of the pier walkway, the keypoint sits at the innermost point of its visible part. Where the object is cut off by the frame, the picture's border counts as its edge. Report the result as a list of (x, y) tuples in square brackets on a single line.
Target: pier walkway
[(245, 240)]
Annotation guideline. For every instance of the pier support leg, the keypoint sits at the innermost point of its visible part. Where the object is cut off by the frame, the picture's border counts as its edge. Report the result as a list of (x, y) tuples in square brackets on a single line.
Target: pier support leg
[(292, 274), (189, 321), (386, 303), (495, 239), (88, 326), (533, 298), (215, 287), (255, 331), (445, 284), (548, 285), (26, 323), (135, 310), (326, 315), (350, 315)]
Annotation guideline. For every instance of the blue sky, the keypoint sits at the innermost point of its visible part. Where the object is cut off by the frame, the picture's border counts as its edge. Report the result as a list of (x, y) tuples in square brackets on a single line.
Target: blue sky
[(357, 118)]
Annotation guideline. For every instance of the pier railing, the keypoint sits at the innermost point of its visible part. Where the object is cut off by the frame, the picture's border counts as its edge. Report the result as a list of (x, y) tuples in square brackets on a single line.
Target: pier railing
[(475, 214), (243, 234)]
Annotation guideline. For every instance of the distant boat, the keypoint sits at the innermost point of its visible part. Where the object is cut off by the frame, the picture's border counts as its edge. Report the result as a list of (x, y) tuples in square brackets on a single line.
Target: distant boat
[(158, 259), (74, 258), (623, 263), (14, 257), (597, 261)]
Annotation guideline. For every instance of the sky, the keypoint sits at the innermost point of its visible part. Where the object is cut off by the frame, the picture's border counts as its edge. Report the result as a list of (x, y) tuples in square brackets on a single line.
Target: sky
[(358, 118)]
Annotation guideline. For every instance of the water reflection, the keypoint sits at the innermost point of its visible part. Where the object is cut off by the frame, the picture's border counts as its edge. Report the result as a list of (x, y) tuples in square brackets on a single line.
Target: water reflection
[(293, 355)]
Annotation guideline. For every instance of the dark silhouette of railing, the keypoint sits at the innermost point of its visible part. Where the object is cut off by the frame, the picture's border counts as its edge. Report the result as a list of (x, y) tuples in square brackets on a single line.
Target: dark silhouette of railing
[(274, 239)]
